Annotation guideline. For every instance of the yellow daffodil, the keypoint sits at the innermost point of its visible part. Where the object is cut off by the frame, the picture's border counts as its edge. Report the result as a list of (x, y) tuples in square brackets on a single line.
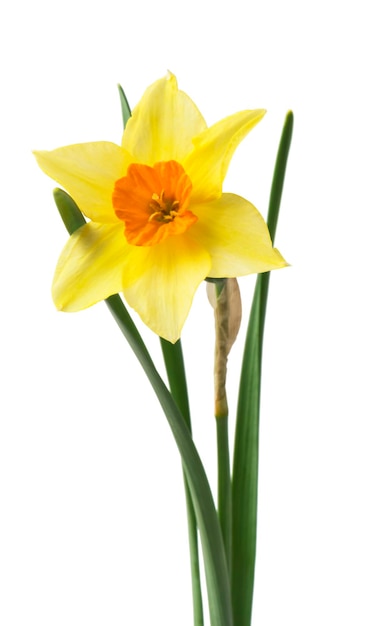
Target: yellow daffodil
[(159, 223)]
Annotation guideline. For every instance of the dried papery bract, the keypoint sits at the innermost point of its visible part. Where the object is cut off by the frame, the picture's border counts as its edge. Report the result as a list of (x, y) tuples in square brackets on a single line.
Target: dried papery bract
[(225, 298)]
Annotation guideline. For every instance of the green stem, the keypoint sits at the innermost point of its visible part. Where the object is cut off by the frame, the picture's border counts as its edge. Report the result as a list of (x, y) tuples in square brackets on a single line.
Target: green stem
[(227, 307), (224, 485), (174, 363)]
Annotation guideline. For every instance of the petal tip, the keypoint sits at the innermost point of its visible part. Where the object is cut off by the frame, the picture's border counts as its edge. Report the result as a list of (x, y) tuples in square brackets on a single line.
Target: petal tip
[(281, 261), (170, 76)]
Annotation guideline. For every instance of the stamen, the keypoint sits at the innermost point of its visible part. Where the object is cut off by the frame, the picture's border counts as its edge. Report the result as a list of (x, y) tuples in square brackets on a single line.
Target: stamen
[(163, 210), (153, 202)]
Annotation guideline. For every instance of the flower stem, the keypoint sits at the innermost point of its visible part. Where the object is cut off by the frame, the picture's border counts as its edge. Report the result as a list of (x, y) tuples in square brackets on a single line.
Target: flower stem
[(225, 299), (224, 485), (174, 363)]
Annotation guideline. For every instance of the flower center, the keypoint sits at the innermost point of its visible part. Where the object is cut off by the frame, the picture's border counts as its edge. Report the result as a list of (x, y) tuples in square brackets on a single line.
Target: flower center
[(163, 210), (153, 202)]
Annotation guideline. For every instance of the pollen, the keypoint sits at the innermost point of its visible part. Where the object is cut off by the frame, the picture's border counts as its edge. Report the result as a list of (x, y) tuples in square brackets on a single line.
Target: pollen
[(153, 202)]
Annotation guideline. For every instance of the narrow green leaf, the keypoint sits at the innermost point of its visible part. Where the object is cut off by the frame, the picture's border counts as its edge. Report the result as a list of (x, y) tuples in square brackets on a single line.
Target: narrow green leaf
[(126, 111), (216, 571), (174, 364), (69, 211), (245, 463), (279, 174)]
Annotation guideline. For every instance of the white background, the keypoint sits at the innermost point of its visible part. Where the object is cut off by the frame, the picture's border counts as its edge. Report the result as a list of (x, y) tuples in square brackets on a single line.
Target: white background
[(92, 525)]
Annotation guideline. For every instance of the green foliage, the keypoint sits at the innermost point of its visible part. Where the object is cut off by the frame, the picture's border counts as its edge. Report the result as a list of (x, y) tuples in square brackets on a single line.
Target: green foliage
[(211, 538), (245, 462)]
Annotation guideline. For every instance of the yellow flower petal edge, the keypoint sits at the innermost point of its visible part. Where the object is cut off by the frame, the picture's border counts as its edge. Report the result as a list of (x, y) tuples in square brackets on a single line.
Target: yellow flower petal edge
[(236, 236), (161, 282), (163, 124), (160, 223), (208, 163), (87, 171), (90, 267)]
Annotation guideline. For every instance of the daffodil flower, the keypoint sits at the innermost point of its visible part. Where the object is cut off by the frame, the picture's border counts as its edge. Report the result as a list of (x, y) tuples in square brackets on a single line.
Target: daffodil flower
[(159, 223)]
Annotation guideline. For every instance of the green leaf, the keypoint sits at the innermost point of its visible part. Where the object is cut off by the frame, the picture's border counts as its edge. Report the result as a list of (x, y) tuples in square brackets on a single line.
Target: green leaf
[(126, 111), (216, 571), (217, 578), (174, 365), (245, 463), (69, 211)]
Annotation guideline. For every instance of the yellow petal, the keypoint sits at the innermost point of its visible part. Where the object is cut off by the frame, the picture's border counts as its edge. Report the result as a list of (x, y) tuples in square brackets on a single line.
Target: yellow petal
[(163, 124), (213, 149), (236, 236), (161, 282), (88, 172), (91, 266)]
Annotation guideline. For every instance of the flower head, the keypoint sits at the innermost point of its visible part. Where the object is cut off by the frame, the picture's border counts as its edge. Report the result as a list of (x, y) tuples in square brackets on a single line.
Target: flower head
[(159, 223)]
